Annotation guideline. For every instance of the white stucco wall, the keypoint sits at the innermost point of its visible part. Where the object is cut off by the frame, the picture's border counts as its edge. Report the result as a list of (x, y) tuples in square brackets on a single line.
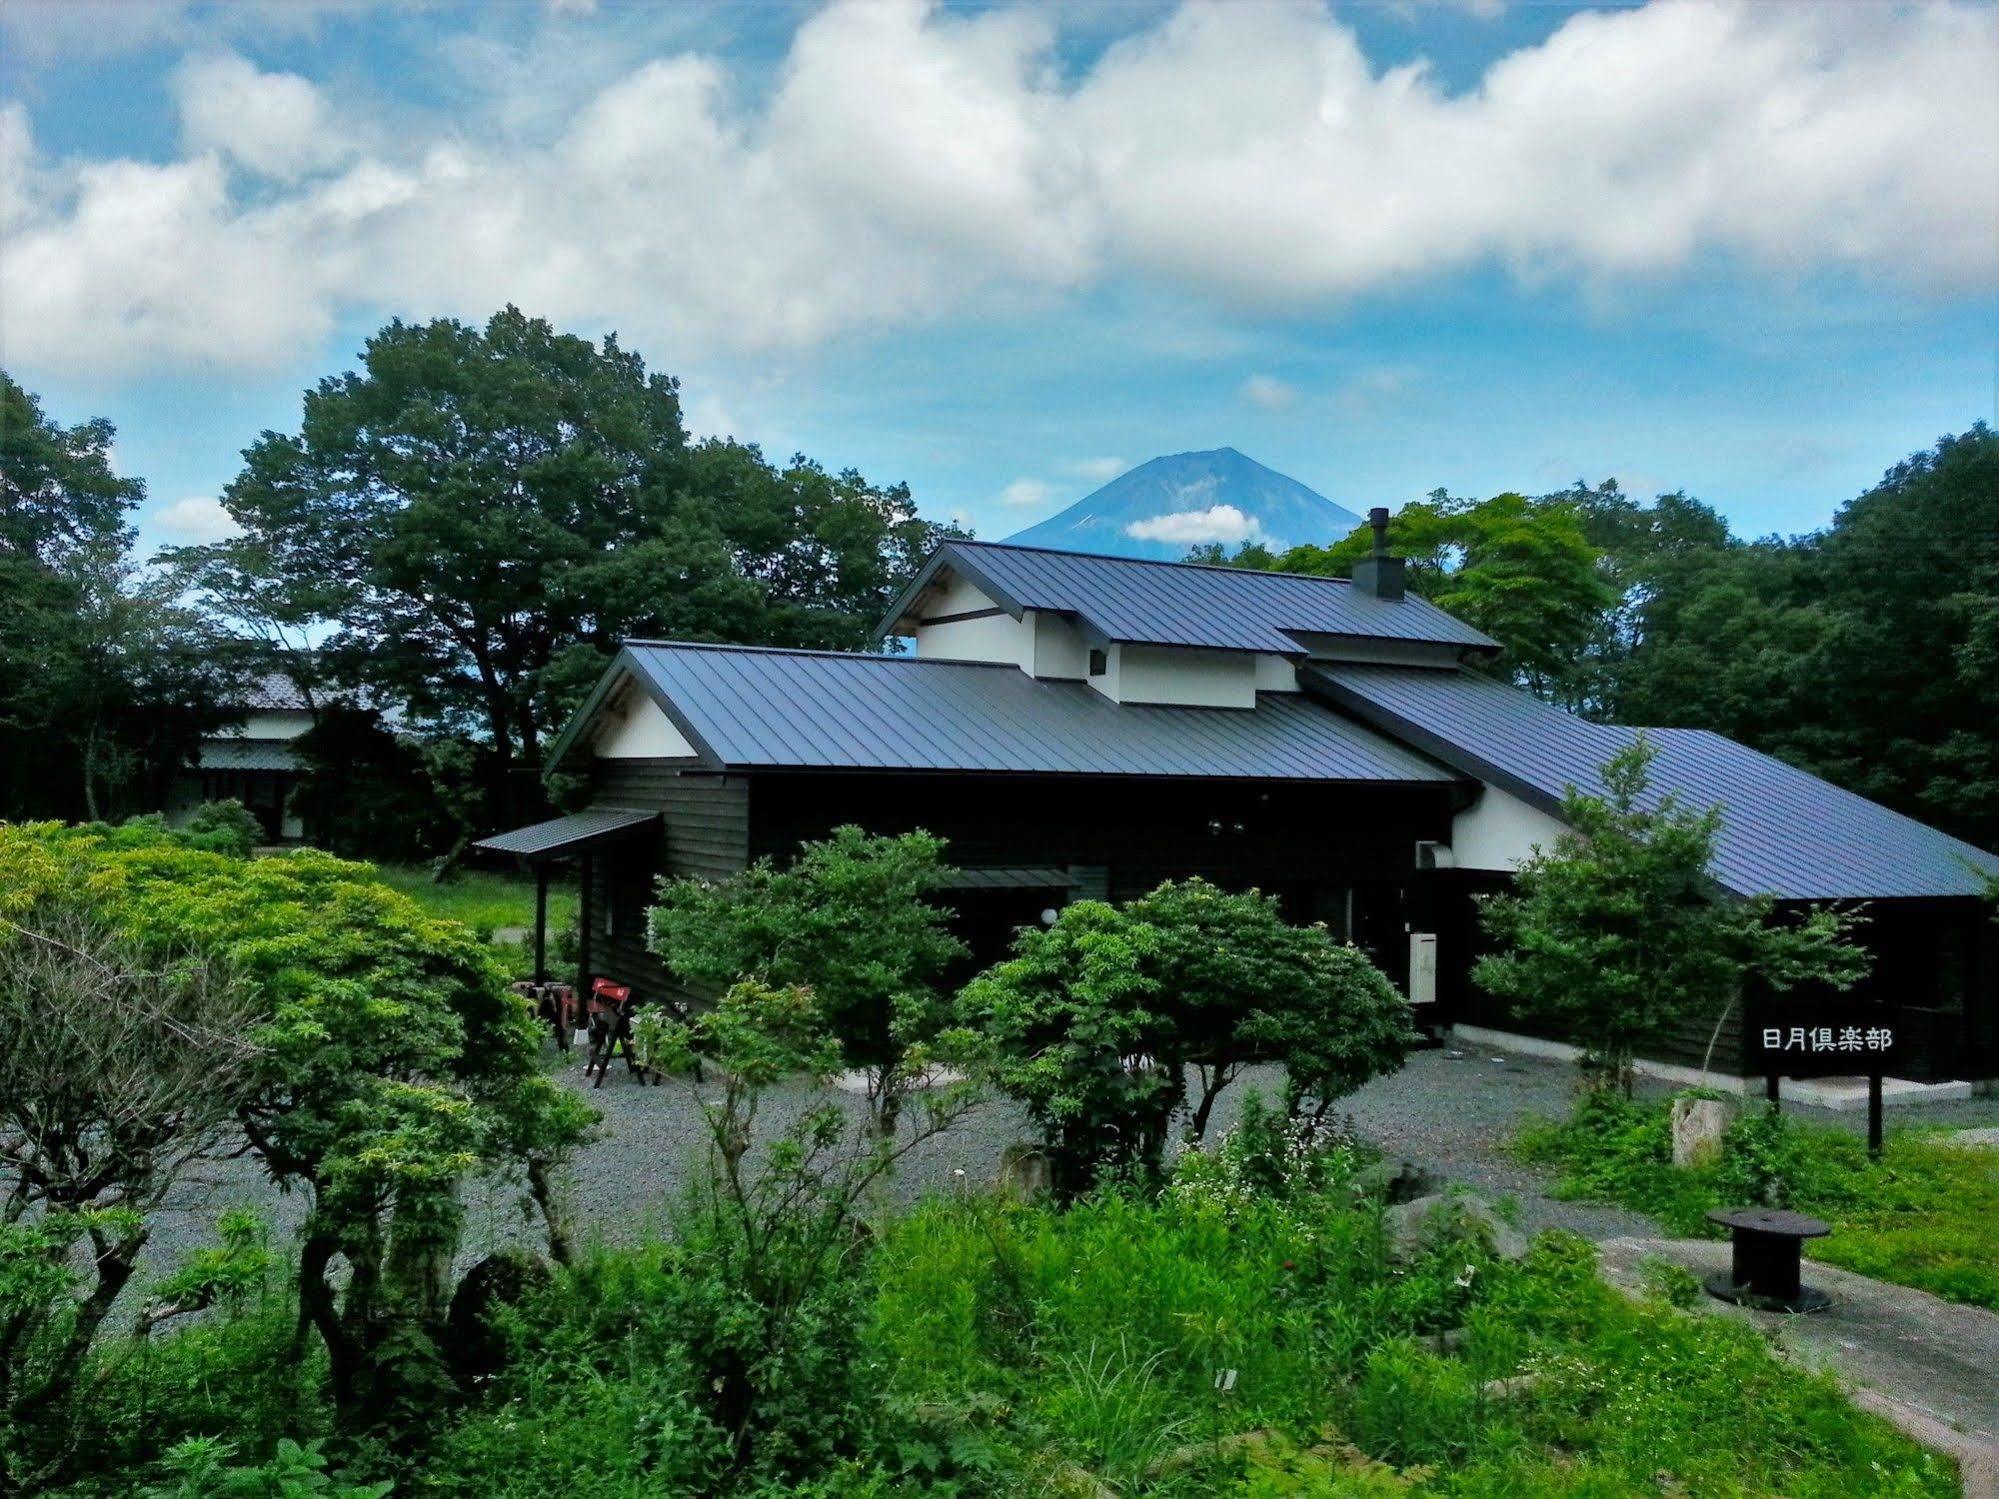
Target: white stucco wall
[(269, 723), (1498, 831), (1177, 674), (1276, 674), (1059, 648), (640, 732), (997, 637)]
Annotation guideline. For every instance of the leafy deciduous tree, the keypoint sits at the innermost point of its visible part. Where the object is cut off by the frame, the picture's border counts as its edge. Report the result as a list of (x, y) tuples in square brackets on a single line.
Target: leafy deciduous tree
[(1619, 931), (1095, 1022), (853, 919)]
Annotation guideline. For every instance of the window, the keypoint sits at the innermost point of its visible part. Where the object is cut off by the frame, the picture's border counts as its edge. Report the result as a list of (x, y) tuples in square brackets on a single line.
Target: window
[(1100, 662)]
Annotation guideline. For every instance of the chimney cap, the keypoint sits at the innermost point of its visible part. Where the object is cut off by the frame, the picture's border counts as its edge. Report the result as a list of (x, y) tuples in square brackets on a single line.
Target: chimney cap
[(1378, 519)]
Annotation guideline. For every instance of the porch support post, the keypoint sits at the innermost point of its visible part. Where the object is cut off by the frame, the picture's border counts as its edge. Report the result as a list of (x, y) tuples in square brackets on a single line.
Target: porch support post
[(541, 922), (584, 919)]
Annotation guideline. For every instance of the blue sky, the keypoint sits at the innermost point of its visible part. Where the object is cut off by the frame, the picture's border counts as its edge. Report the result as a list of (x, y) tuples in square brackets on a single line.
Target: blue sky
[(1002, 252)]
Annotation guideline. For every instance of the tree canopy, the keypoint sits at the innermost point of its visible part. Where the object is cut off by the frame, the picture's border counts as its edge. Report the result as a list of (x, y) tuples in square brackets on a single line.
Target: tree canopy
[(1095, 1024), (1524, 571), (107, 676), (481, 514)]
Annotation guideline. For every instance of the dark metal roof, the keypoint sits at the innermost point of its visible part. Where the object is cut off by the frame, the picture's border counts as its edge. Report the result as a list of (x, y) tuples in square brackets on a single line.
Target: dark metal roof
[(222, 753), (1784, 831), (1010, 877), (747, 707), (561, 836), (276, 692), (1182, 603)]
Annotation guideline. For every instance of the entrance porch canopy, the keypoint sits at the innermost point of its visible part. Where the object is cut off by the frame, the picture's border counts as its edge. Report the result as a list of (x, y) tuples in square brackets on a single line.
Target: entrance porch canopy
[(575, 836)]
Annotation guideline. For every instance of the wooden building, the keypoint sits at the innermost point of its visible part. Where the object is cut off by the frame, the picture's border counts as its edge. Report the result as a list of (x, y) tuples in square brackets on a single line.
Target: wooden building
[(1088, 726)]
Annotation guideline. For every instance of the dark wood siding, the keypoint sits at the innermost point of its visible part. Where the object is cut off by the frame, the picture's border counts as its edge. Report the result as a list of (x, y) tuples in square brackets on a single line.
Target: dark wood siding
[(1306, 844), (704, 833)]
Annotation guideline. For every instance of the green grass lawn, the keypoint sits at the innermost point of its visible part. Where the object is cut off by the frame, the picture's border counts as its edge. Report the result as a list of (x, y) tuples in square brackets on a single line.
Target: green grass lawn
[(483, 899), (1921, 1216)]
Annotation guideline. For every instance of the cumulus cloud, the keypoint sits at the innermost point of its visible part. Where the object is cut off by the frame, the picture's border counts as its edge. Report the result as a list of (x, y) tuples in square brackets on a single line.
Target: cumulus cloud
[(198, 518), (908, 162), (1269, 392), (272, 124), (1224, 523), (1025, 492)]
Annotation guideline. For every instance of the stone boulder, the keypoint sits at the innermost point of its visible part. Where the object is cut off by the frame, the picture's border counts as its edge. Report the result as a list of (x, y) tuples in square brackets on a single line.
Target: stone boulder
[(1699, 1126)]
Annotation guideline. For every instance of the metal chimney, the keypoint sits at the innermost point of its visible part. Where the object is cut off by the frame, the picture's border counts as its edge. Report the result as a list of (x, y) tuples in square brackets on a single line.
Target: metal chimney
[(1380, 574)]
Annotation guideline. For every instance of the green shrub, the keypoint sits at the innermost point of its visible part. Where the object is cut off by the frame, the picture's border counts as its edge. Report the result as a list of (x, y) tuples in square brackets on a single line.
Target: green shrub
[(224, 827)]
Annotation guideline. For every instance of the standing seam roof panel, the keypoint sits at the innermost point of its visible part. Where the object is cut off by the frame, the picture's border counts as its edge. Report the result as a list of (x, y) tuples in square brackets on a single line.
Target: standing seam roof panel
[(803, 710), (1183, 604), (1785, 832)]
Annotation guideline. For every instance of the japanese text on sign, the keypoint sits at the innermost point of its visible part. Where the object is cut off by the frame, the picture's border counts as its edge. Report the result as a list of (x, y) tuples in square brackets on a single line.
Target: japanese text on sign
[(1826, 1038)]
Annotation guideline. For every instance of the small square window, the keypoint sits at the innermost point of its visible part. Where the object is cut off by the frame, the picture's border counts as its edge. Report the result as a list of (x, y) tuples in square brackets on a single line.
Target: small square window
[(1100, 662)]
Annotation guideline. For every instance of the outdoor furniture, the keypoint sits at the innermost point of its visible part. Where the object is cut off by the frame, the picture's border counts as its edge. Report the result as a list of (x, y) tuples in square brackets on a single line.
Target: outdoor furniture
[(554, 1003), (611, 1006), (1769, 1246)]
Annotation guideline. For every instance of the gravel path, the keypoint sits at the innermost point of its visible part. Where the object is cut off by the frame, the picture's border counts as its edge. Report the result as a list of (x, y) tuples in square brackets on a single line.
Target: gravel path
[(1449, 1111)]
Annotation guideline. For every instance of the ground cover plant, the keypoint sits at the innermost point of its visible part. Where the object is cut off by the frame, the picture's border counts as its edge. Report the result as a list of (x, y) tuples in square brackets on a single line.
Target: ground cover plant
[(1921, 1216), (486, 900)]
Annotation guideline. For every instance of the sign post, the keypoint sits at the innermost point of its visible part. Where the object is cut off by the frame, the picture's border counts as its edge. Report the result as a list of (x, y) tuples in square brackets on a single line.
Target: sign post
[(1832, 1041)]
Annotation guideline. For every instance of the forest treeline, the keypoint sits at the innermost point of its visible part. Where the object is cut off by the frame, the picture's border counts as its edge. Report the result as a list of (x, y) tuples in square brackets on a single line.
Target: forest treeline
[(449, 546)]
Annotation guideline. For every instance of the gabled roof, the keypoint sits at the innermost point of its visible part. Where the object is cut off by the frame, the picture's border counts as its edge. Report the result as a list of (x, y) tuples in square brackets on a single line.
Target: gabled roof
[(752, 708), (1181, 603), (1784, 831)]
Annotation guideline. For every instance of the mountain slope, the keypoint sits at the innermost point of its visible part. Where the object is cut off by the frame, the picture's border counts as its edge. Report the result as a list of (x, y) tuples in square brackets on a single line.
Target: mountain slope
[(1166, 506)]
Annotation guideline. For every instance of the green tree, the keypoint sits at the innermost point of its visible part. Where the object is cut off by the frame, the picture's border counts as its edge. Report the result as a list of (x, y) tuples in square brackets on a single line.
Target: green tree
[(1096, 1023), (854, 919), (391, 1064), (473, 504), (104, 671), (1618, 931), (769, 1248)]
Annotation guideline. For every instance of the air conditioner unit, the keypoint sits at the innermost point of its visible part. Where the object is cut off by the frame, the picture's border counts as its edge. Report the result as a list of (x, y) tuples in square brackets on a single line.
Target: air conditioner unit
[(1422, 968), (1430, 854)]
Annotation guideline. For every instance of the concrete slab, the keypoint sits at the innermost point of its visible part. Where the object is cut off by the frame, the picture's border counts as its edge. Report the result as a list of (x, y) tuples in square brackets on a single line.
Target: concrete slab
[(1927, 1365), (1841, 1094)]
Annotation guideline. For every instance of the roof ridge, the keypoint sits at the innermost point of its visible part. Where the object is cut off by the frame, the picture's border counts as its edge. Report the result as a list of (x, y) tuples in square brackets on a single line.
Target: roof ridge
[(1212, 567), (882, 657)]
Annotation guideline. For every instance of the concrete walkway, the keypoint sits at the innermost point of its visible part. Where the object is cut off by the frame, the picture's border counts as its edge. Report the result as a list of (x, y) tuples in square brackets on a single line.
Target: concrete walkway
[(1929, 1366)]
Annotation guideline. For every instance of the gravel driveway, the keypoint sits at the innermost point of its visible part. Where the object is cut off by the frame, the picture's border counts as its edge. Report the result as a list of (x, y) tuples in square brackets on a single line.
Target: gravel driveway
[(1450, 1112)]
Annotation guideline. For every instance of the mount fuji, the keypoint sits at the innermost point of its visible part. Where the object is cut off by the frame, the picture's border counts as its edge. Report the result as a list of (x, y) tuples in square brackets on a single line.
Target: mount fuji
[(1165, 507)]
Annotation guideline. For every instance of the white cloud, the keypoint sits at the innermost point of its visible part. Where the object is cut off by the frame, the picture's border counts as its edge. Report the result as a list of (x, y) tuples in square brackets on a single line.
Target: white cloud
[(1224, 523), (1269, 392), (908, 162), (1025, 492), (272, 124), (1098, 469), (197, 518)]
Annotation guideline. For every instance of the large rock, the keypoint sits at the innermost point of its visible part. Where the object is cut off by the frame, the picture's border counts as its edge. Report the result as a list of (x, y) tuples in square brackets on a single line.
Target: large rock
[(1699, 1125), (1024, 1172), (1414, 1226)]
